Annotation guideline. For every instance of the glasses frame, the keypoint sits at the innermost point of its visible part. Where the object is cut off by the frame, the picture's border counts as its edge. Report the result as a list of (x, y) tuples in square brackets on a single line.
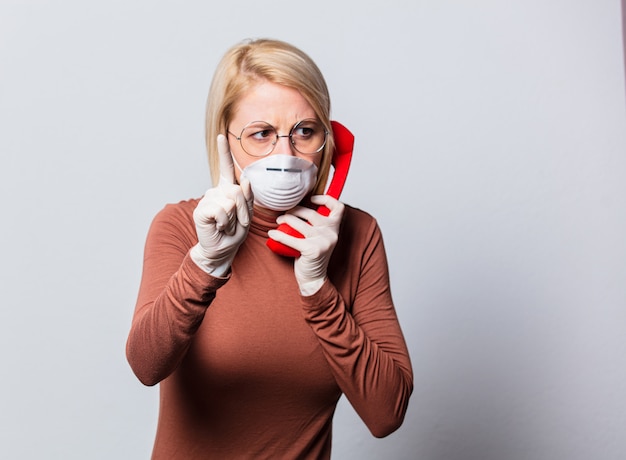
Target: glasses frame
[(278, 136)]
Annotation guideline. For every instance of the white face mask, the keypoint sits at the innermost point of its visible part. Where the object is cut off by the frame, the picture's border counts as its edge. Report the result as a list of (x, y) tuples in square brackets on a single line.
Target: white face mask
[(280, 182)]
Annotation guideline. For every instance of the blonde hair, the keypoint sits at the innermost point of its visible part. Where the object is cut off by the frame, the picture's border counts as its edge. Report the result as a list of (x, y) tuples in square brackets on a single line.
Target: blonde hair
[(250, 62)]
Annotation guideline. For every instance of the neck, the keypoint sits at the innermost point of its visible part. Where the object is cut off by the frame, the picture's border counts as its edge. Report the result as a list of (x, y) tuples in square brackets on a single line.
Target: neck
[(267, 215)]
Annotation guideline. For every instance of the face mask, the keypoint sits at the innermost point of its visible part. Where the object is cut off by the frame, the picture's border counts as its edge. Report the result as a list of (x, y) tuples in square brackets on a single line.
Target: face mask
[(280, 182)]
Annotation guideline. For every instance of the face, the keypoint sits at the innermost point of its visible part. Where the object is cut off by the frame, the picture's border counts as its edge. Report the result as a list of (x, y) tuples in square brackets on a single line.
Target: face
[(281, 107)]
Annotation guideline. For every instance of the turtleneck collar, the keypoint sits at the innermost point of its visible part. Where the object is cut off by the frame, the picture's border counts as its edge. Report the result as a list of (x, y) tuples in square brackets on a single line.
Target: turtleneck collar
[(264, 220)]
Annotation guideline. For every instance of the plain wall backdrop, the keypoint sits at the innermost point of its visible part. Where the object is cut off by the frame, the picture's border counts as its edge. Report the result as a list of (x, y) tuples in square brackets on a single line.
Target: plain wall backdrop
[(490, 146)]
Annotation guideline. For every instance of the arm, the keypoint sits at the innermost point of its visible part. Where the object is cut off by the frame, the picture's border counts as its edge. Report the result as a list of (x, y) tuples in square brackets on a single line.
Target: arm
[(364, 345), (173, 297), (183, 268)]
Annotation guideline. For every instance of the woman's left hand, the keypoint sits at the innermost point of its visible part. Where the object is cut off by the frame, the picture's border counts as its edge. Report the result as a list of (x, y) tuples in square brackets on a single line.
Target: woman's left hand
[(320, 237)]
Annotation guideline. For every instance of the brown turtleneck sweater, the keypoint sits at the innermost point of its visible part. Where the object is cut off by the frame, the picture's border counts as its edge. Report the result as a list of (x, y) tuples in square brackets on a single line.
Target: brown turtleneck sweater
[(250, 369)]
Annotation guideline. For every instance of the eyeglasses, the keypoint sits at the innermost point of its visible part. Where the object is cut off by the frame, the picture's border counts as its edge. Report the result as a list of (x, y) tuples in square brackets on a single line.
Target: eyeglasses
[(258, 138)]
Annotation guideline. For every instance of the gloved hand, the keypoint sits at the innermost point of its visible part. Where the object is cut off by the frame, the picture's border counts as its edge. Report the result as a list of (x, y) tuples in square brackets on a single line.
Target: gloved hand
[(320, 237), (222, 217)]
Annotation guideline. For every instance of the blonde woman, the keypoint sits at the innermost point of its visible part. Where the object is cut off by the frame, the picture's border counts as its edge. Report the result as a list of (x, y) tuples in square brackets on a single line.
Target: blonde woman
[(251, 349)]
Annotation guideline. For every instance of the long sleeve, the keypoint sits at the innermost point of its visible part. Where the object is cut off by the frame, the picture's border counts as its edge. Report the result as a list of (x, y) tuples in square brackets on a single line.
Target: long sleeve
[(364, 345), (173, 297), (242, 371)]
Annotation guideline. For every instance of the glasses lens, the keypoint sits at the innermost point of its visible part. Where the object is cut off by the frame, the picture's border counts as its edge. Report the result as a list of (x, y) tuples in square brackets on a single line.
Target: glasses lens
[(258, 138), (308, 136)]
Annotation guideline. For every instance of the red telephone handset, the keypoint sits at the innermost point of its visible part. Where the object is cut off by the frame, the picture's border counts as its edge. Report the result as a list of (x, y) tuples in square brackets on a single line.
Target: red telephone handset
[(344, 144)]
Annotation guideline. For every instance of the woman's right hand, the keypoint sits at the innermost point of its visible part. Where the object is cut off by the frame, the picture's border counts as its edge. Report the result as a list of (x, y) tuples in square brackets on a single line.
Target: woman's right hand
[(222, 217)]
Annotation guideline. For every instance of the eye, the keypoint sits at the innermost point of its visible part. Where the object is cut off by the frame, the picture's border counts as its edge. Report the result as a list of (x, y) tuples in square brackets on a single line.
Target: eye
[(263, 134), (304, 132), (260, 133), (308, 129)]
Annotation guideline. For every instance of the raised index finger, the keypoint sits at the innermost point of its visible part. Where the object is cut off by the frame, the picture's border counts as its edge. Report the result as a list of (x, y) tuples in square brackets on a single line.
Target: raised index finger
[(227, 169)]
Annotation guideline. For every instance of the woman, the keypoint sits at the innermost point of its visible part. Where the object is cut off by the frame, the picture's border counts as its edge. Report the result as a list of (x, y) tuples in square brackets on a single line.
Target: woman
[(252, 350)]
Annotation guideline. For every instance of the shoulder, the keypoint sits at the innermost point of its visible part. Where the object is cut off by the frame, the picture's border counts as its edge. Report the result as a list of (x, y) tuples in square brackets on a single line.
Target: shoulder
[(177, 212), (359, 251), (175, 220), (356, 213), (359, 231), (356, 221)]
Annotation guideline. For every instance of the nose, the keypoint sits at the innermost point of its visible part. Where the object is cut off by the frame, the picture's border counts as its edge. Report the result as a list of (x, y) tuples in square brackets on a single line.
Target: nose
[(283, 145)]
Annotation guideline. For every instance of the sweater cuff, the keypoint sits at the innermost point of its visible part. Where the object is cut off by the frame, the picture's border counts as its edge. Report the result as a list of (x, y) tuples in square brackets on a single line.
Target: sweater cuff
[(214, 268), (198, 277), (309, 288), (321, 299)]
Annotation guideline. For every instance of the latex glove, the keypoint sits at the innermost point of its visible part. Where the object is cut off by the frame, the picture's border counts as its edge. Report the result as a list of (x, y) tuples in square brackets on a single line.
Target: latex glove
[(222, 217), (320, 237)]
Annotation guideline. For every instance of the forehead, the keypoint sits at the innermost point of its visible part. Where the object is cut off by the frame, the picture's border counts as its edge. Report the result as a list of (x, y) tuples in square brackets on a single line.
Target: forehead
[(276, 104)]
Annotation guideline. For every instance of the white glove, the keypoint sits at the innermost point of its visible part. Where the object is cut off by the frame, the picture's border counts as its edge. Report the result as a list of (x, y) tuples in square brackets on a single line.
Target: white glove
[(320, 237), (222, 217)]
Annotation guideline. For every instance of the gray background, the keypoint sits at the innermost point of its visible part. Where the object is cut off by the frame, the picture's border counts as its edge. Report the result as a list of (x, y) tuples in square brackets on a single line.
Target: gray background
[(491, 147)]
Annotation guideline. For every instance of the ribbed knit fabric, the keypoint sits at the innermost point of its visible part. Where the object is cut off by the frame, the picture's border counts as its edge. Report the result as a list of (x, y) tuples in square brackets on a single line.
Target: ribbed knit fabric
[(250, 369)]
